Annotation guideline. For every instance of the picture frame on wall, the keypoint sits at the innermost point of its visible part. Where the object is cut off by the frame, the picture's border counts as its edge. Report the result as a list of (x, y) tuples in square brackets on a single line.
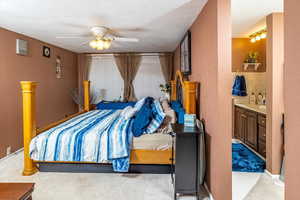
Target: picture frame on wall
[(58, 67), (185, 54)]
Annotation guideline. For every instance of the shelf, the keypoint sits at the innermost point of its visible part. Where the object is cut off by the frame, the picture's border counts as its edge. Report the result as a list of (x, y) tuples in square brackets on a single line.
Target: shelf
[(255, 65)]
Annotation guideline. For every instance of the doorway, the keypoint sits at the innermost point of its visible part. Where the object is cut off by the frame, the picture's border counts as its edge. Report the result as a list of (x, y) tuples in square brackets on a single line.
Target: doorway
[(257, 86)]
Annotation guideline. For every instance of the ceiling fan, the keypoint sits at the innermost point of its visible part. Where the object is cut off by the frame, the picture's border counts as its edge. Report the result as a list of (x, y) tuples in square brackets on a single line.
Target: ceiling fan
[(103, 38)]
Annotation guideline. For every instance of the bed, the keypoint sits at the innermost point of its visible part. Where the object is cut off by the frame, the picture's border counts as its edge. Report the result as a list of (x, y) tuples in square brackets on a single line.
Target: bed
[(149, 153)]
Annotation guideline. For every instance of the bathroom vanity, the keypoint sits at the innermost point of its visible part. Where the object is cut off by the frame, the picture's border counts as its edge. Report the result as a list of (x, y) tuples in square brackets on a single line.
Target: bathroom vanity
[(250, 126)]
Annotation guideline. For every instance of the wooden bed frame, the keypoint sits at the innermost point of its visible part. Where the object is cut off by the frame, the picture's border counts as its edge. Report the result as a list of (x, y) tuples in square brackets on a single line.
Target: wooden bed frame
[(139, 157)]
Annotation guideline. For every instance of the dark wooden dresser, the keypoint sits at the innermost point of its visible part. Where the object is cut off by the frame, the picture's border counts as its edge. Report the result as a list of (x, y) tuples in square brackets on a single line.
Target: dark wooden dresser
[(189, 171), (16, 191), (250, 128)]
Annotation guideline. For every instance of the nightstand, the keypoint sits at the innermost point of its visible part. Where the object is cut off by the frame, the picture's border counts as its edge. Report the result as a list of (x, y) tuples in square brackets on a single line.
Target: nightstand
[(189, 160)]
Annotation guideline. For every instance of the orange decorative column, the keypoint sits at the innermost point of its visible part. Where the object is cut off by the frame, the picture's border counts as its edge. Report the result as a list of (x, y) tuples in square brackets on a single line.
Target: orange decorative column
[(86, 92), (190, 92), (29, 124), (173, 90)]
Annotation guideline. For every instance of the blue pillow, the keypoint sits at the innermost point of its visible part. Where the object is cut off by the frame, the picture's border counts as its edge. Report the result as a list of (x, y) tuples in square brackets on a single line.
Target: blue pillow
[(180, 115), (179, 110), (175, 104), (109, 105), (143, 118), (158, 117)]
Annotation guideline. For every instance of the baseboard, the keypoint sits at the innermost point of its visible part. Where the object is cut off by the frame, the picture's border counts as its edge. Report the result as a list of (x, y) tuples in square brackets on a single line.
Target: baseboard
[(275, 178), (12, 154), (233, 140), (209, 193), (271, 175)]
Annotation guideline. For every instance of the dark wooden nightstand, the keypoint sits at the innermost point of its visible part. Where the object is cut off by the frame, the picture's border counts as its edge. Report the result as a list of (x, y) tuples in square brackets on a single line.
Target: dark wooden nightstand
[(189, 160), (16, 191)]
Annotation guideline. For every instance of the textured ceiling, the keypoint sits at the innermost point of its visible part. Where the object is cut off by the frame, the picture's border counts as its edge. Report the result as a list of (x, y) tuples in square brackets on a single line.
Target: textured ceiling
[(158, 24), (249, 16)]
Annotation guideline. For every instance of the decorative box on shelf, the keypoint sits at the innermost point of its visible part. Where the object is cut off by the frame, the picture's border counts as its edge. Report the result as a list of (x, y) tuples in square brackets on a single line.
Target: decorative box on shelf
[(255, 65), (190, 120)]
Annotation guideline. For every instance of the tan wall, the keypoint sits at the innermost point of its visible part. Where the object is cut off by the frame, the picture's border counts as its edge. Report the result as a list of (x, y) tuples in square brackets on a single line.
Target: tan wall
[(53, 95), (241, 47), (275, 103), (211, 66), (292, 98)]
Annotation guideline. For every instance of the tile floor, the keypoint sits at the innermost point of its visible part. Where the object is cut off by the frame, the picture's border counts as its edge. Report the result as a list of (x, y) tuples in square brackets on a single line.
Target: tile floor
[(242, 183)]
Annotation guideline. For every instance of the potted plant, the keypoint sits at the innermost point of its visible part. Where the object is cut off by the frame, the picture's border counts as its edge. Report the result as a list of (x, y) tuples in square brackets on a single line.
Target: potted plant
[(252, 57), (165, 89)]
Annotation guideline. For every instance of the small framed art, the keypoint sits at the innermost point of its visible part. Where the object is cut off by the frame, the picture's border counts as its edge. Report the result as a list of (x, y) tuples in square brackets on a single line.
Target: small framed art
[(185, 54)]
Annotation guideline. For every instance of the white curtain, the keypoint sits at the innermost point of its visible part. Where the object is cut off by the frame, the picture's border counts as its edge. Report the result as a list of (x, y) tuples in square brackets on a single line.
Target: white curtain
[(148, 78), (106, 81)]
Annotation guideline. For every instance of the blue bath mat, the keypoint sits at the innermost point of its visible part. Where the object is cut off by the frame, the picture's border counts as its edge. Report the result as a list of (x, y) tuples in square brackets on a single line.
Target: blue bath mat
[(244, 160)]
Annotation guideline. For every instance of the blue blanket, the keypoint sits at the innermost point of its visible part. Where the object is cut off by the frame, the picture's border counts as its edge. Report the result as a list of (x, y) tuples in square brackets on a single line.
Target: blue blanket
[(95, 136), (99, 136), (143, 117), (149, 117)]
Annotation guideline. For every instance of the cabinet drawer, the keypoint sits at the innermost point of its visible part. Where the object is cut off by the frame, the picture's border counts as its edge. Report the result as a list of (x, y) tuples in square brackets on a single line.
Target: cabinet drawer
[(262, 148), (262, 120)]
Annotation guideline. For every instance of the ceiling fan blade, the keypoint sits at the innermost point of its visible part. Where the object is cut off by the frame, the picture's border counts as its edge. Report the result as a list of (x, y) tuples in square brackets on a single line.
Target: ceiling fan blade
[(84, 43), (124, 39), (72, 36)]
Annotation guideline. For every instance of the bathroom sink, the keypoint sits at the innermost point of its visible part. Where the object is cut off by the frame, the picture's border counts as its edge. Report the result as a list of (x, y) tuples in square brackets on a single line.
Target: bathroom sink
[(262, 107)]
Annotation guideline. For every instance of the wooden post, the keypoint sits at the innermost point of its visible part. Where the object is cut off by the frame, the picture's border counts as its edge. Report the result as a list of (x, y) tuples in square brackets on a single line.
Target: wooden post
[(86, 92), (173, 90), (29, 124), (190, 92)]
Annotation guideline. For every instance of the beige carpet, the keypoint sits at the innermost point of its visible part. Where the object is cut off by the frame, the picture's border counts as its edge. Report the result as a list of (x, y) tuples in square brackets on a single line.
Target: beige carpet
[(89, 186), (266, 189)]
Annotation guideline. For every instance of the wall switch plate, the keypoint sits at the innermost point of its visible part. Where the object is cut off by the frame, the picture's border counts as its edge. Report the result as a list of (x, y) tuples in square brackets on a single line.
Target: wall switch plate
[(8, 150)]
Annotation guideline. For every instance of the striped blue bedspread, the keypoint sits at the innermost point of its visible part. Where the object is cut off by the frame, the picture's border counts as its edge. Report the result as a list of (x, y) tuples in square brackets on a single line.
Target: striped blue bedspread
[(97, 136)]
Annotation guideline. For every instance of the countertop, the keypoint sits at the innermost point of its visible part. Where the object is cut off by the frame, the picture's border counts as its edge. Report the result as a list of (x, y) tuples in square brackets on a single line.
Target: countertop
[(254, 107)]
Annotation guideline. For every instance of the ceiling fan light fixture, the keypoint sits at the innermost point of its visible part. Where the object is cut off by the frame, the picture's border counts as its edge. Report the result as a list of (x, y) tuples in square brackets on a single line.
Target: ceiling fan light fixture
[(93, 44), (106, 44), (100, 44), (99, 48)]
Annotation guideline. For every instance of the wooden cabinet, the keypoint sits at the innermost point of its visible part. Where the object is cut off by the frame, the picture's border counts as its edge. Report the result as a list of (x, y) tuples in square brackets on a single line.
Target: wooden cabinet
[(250, 128), (240, 124), (262, 135)]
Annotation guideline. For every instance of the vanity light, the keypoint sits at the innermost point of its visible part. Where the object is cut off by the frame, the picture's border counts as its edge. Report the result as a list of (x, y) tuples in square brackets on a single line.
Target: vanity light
[(258, 36), (263, 35), (253, 39)]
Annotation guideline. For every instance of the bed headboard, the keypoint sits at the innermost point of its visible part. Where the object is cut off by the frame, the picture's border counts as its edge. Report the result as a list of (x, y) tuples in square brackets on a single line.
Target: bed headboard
[(185, 92)]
